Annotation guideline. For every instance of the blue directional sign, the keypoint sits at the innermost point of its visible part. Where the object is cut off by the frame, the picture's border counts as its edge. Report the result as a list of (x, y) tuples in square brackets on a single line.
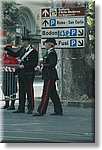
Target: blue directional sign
[(73, 32), (73, 43), (52, 22)]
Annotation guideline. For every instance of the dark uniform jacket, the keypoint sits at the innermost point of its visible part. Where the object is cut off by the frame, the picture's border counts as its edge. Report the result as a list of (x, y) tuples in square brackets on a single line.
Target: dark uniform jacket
[(50, 61), (30, 62)]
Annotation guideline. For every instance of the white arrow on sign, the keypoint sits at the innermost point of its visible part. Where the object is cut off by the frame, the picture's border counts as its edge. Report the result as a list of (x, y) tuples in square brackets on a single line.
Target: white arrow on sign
[(45, 13), (67, 43)]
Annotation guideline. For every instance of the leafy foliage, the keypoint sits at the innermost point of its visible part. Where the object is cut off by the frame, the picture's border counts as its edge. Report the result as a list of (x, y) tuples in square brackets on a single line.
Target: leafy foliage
[(10, 19), (91, 25)]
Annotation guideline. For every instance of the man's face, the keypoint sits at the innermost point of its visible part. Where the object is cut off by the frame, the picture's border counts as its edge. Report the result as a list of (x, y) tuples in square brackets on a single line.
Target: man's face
[(49, 45), (25, 43)]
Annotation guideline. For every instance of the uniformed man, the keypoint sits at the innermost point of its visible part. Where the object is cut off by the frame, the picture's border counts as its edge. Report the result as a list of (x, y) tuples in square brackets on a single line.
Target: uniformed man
[(28, 61), (49, 74)]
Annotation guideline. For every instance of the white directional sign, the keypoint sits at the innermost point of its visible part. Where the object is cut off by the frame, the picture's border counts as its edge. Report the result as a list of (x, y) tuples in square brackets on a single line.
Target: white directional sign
[(63, 32), (67, 43), (65, 22)]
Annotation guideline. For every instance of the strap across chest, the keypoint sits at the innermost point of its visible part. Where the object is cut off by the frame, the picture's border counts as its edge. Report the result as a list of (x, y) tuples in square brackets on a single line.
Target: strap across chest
[(26, 54)]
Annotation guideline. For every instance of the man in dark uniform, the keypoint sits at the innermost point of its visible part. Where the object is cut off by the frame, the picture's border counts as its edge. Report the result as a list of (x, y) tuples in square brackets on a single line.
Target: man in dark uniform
[(28, 61), (49, 74)]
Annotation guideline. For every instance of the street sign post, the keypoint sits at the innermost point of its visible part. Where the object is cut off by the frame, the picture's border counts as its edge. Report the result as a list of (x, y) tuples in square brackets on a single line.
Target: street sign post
[(62, 23)]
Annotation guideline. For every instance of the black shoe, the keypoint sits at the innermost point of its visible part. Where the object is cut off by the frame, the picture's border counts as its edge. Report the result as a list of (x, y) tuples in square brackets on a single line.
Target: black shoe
[(19, 111), (6, 106), (29, 112), (11, 108), (37, 114), (57, 114)]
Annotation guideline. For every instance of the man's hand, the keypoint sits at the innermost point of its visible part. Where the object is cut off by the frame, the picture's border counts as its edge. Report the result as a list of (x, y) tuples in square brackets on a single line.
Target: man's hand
[(7, 49), (5, 52), (21, 66)]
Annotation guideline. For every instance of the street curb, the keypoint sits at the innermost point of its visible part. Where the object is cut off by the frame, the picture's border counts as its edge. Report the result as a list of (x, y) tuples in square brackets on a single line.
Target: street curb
[(84, 104), (81, 104)]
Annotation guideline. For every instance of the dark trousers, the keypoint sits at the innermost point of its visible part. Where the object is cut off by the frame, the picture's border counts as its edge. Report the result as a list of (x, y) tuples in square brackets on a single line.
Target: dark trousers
[(26, 87), (49, 91)]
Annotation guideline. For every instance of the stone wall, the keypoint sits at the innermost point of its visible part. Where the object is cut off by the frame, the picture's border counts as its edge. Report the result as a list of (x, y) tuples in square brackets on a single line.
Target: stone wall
[(78, 79)]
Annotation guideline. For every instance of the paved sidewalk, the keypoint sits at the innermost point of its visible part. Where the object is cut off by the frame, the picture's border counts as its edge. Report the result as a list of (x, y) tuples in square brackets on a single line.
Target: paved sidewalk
[(75, 126)]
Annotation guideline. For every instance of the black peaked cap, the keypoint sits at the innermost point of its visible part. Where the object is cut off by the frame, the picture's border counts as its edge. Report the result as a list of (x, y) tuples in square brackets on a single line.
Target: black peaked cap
[(25, 38), (52, 40)]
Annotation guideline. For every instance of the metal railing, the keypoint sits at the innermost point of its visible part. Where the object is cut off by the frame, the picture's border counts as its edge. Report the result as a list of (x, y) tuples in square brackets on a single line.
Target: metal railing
[(9, 83)]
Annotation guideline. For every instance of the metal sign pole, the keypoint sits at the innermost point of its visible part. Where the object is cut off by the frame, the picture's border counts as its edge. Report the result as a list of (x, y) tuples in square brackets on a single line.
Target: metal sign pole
[(62, 74)]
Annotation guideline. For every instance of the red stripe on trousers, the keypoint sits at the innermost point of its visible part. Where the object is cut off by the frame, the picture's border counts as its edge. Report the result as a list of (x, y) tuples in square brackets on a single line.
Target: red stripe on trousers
[(46, 95), (32, 95)]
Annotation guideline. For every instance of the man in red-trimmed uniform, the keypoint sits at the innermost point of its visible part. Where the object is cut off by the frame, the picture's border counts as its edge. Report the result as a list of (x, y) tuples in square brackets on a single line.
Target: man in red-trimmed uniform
[(26, 72), (49, 74)]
